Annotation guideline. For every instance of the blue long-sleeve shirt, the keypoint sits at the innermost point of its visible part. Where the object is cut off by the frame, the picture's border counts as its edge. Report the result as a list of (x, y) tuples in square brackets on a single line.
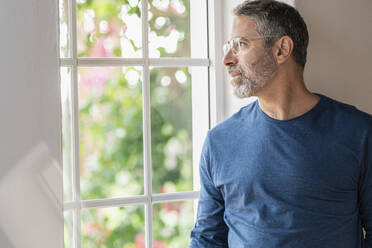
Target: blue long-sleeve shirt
[(302, 182)]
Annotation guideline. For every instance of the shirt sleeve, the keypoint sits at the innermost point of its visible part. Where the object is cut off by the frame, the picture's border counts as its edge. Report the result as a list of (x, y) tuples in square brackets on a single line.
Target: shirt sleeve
[(210, 229), (365, 192)]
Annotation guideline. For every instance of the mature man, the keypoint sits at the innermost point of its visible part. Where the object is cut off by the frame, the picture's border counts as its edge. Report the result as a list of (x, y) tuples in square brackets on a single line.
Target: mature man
[(293, 168)]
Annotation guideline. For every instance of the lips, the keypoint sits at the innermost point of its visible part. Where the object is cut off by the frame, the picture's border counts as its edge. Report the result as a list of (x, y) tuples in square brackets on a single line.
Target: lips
[(234, 74)]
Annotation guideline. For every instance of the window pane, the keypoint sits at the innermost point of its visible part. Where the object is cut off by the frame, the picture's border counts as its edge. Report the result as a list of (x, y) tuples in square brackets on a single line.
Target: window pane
[(171, 125), (169, 22), (109, 28), (67, 142), (113, 227), (69, 226), (172, 224), (64, 29), (110, 130)]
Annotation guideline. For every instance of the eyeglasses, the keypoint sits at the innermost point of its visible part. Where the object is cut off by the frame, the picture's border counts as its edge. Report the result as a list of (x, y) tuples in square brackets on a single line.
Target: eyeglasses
[(238, 43)]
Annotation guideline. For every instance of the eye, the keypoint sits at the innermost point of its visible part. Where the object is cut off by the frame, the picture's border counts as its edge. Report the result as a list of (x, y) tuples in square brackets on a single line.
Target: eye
[(242, 43)]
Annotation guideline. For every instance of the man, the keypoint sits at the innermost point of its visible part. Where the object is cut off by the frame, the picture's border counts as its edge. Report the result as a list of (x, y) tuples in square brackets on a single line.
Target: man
[(293, 168)]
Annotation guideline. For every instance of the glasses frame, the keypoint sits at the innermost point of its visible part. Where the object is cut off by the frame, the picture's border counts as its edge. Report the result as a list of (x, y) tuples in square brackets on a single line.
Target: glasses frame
[(236, 41)]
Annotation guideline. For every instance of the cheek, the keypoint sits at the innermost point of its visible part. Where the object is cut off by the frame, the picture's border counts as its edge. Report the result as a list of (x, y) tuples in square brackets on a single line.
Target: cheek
[(246, 66), (248, 62)]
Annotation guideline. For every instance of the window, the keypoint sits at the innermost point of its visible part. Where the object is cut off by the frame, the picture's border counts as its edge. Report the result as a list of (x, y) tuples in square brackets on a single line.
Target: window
[(138, 94)]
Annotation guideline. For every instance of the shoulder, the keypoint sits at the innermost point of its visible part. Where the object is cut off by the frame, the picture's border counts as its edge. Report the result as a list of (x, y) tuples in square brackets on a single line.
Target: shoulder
[(235, 121), (350, 124), (231, 126), (349, 114)]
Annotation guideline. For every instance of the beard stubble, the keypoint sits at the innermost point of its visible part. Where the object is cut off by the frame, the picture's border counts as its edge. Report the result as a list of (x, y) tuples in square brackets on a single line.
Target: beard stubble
[(262, 71)]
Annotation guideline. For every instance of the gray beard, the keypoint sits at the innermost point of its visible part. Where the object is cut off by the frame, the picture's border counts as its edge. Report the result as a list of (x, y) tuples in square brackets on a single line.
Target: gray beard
[(247, 87), (263, 70)]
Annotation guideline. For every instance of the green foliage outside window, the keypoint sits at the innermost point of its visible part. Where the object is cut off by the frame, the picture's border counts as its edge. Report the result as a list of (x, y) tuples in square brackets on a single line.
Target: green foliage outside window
[(111, 122)]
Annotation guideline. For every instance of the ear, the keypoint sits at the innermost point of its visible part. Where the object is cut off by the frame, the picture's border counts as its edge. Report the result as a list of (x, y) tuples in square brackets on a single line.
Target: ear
[(282, 49)]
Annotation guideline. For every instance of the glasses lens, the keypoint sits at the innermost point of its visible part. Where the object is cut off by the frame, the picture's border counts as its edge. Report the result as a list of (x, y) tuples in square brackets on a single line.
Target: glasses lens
[(226, 47), (235, 46)]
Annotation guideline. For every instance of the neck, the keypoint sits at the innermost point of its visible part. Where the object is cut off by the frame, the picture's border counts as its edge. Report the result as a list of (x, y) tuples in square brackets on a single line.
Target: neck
[(286, 96)]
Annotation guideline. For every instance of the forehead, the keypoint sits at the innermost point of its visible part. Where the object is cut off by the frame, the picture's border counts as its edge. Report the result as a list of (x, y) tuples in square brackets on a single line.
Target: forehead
[(243, 26)]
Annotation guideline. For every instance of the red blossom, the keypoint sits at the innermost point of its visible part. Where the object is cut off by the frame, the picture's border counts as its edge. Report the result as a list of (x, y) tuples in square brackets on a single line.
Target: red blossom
[(140, 242), (90, 227), (99, 50)]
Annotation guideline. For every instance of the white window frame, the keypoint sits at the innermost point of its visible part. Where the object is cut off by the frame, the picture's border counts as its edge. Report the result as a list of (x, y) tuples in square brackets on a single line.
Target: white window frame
[(206, 111)]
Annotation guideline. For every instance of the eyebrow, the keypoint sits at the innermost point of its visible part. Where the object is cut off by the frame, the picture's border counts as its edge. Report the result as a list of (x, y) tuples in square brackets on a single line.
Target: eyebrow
[(244, 38)]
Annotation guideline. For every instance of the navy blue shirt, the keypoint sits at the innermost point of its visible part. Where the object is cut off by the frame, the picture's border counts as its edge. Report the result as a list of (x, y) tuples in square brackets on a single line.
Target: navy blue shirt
[(302, 182)]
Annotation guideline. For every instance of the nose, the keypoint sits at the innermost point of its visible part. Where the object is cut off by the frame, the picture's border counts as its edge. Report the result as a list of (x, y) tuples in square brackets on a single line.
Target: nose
[(229, 59)]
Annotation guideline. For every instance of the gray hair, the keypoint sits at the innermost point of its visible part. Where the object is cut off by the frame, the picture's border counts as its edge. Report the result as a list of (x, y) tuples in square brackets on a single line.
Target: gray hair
[(277, 19)]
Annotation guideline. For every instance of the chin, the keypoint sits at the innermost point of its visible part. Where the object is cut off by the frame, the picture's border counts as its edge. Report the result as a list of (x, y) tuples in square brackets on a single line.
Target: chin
[(236, 82), (242, 93)]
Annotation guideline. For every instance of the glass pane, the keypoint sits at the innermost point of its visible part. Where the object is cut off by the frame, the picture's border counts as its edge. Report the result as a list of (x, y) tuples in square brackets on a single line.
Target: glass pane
[(69, 226), (110, 131), (67, 135), (169, 22), (172, 224), (122, 227), (64, 29), (109, 28), (171, 125)]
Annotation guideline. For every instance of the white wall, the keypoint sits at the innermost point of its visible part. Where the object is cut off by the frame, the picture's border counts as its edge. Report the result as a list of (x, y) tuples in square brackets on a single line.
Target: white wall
[(339, 54), (30, 149)]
